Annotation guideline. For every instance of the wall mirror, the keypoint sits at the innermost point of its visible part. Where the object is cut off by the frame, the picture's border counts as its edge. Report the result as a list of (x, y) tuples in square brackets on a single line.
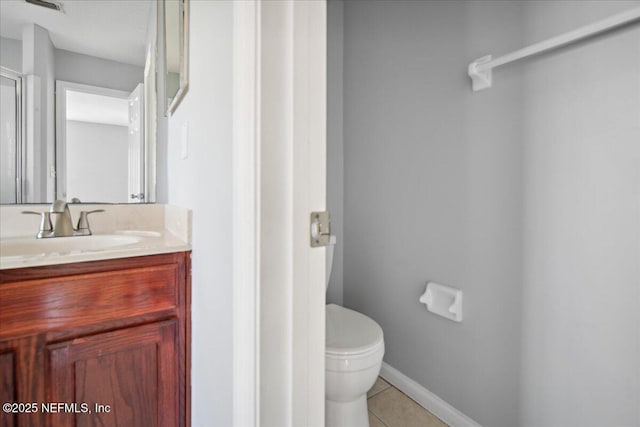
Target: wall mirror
[(176, 44), (79, 104)]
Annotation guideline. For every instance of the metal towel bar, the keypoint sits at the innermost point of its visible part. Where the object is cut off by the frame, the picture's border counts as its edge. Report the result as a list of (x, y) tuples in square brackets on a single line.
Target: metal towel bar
[(480, 69)]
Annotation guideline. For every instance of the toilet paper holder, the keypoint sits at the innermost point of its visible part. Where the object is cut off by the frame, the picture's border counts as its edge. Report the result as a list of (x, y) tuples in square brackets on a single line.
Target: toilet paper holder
[(443, 300)]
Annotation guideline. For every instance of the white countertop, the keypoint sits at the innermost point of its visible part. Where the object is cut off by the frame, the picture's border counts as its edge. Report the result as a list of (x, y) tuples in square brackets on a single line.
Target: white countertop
[(137, 230)]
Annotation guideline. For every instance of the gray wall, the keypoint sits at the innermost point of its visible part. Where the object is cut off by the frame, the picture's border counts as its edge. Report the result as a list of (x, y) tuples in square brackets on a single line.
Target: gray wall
[(11, 54), (432, 192), (97, 162), (77, 68), (202, 182), (335, 144), (89, 70), (581, 272), (524, 196)]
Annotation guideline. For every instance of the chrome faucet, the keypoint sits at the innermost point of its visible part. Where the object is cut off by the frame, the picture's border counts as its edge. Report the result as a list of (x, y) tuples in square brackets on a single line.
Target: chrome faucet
[(63, 225)]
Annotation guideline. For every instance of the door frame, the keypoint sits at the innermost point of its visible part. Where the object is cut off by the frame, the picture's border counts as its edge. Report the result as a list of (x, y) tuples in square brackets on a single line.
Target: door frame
[(279, 178), (246, 214), (61, 125), (20, 178)]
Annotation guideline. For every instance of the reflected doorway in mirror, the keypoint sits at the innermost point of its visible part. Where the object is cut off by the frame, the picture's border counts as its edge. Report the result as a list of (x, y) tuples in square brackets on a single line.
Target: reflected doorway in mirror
[(100, 144)]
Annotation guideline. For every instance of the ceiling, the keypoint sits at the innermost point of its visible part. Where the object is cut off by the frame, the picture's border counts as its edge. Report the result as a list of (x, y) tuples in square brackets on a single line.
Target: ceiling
[(91, 108), (109, 29)]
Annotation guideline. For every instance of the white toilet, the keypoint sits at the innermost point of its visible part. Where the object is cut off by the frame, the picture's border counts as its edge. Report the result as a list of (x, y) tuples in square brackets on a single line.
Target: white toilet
[(353, 356)]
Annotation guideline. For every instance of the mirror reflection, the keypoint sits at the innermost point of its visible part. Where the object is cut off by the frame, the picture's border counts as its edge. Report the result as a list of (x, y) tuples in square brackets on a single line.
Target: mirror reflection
[(78, 101), (99, 151)]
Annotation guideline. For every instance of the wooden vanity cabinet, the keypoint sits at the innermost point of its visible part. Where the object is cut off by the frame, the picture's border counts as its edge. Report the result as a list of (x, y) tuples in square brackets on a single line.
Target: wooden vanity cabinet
[(102, 343)]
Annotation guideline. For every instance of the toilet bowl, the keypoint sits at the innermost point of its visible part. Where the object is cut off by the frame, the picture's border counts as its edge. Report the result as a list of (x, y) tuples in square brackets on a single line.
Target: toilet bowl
[(353, 357)]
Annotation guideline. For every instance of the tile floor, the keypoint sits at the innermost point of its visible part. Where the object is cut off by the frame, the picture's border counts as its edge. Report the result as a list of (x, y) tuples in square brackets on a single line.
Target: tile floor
[(389, 407)]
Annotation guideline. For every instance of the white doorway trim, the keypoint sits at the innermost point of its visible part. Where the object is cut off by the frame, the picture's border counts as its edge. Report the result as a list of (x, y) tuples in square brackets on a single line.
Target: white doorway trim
[(20, 137), (279, 172), (62, 88), (246, 214), (309, 195)]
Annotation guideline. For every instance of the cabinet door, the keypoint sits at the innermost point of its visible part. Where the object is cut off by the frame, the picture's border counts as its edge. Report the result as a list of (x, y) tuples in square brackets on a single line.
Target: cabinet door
[(21, 367), (123, 378), (7, 385)]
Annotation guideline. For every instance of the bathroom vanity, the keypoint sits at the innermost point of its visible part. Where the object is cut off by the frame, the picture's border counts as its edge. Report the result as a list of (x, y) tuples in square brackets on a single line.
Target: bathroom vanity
[(103, 341)]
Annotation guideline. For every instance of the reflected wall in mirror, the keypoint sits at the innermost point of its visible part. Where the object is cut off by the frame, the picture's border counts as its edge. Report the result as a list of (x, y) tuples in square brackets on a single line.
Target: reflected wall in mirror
[(176, 45), (63, 139)]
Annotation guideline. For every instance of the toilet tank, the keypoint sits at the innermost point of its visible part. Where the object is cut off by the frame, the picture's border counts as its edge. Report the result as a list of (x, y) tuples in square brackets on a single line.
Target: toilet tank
[(329, 264)]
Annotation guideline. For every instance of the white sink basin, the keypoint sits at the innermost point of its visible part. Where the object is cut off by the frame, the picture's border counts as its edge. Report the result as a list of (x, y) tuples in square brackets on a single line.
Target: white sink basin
[(122, 231), (21, 247)]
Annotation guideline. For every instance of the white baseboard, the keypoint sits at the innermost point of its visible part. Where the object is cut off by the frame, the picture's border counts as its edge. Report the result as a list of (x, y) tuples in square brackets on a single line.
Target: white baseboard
[(425, 398)]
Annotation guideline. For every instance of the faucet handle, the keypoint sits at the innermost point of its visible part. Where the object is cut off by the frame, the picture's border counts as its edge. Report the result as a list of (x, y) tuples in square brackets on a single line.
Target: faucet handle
[(83, 221), (45, 222)]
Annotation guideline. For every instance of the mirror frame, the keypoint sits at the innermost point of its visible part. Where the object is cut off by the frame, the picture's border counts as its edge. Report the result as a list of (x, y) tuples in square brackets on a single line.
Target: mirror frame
[(184, 56)]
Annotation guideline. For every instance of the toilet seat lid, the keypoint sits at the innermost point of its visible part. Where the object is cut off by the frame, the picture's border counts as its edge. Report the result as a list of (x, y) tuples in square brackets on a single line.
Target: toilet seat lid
[(349, 332)]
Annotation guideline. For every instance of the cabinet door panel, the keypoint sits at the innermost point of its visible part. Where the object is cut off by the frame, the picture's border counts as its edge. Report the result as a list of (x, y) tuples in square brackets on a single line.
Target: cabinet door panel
[(7, 384), (21, 363), (132, 371)]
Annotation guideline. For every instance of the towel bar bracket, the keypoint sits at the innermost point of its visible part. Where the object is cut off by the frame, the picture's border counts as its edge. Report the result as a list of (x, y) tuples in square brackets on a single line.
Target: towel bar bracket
[(480, 79)]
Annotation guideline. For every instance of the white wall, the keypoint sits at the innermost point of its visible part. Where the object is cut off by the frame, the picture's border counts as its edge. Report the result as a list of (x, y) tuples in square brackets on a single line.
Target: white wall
[(335, 143), (581, 272), (11, 53), (89, 70), (97, 159), (202, 182)]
